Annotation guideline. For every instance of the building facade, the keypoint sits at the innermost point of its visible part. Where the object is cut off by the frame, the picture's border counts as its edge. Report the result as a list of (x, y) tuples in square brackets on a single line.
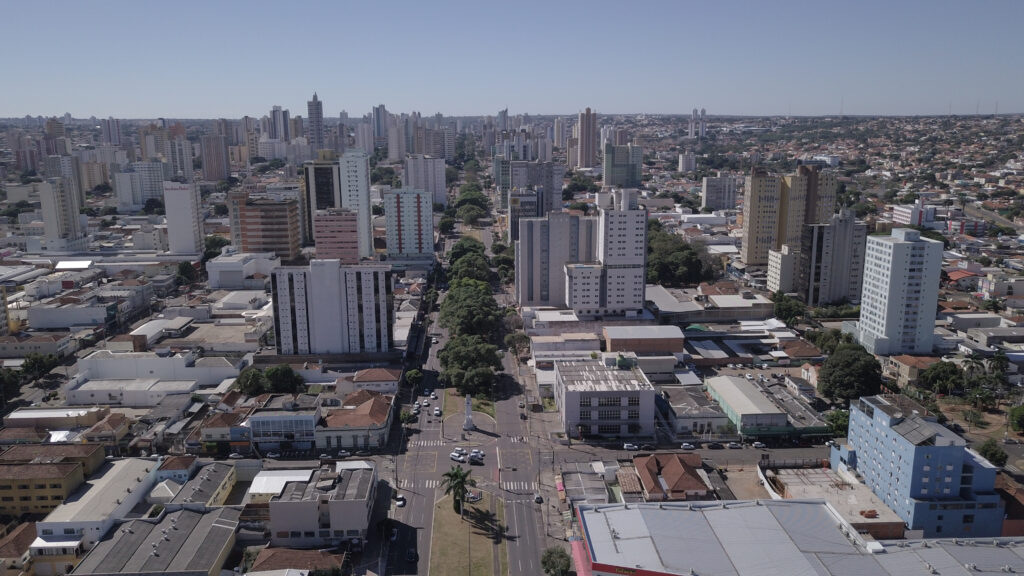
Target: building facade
[(216, 166), (328, 308), (831, 267), (622, 166), (600, 398), (265, 225), (184, 227), (409, 223), (336, 235), (718, 193), (426, 173), (587, 135)]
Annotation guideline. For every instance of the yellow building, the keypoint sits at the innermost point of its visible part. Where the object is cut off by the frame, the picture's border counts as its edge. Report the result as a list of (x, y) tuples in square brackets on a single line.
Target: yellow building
[(90, 456), (37, 488)]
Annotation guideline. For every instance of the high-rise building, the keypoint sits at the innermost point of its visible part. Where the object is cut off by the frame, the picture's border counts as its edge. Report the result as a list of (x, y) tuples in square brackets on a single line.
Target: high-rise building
[(561, 132), (692, 132), (128, 189), (718, 193), (364, 138), (521, 204), (329, 308), (280, 124), (776, 208), (215, 158), (62, 223), (315, 112), (782, 269), (184, 226), (687, 162), (546, 178), (265, 225), (426, 173), (110, 131), (831, 267), (178, 156), (379, 122), (342, 183), (586, 132), (622, 166), (501, 122), (409, 222), (703, 124), (336, 236), (920, 469), (899, 294), (595, 266), (68, 168)]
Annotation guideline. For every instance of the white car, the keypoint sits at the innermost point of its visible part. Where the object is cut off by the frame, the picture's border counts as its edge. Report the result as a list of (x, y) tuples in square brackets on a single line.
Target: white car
[(759, 445), (433, 340), (425, 403), (749, 376), (235, 456), (688, 446), (459, 450), (475, 452), (437, 410), (457, 457), (344, 453), (628, 446), (416, 404), (433, 395), (400, 501), (272, 455)]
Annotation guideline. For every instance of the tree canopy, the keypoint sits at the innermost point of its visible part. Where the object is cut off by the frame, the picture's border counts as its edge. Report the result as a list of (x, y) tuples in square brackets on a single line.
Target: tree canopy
[(993, 452), (788, 309), (464, 246), (251, 381), (470, 213), (469, 308), (446, 225), (672, 261), (941, 378), (473, 266), (283, 379), (849, 373), (455, 482), (555, 561)]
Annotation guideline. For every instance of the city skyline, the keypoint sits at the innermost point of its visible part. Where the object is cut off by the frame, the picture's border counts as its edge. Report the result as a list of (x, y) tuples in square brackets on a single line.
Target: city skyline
[(909, 58)]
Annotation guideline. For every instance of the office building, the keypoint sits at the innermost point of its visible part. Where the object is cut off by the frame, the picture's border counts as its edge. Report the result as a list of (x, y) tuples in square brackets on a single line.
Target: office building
[(782, 269), (62, 222), (265, 225), (215, 158), (335, 235), (328, 308), (546, 178), (920, 469), (831, 267), (332, 508), (687, 162), (379, 123), (899, 294), (718, 193), (586, 133), (315, 113), (409, 223), (597, 397), (426, 173), (521, 204), (691, 132), (184, 225), (622, 166)]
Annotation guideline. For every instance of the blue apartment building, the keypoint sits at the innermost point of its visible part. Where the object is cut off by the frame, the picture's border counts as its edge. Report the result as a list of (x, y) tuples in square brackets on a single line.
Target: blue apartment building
[(920, 469)]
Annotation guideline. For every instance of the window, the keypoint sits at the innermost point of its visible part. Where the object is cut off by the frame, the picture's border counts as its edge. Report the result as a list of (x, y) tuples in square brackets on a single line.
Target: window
[(584, 401), (609, 414), (634, 400), (634, 414), (308, 534), (609, 401), (295, 534), (283, 534), (70, 531), (7, 499)]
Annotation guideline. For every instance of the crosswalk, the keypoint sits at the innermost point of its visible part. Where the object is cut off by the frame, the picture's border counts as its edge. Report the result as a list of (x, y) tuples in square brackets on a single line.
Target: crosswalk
[(519, 486), (517, 439), (426, 443), (408, 484)]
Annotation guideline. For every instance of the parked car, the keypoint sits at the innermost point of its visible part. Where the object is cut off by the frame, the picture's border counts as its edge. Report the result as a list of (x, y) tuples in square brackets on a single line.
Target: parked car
[(425, 403), (688, 446), (363, 453), (735, 445), (648, 447), (749, 376), (1008, 440), (474, 459), (400, 500), (759, 445), (344, 453), (235, 456), (538, 498), (477, 452), (272, 455), (458, 457), (628, 446), (473, 496), (437, 410), (459, 450), (433, 396), (325, 456), (522, 404), (715, 446)]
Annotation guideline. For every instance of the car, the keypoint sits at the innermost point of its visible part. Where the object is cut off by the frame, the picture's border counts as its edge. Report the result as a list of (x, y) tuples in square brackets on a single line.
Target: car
[(344, 453), (394, 534), (416, 411), (400, 501), (648, 447), (433, 396), (434, 340), (455, 456), (425, 403), (235, 456), (629, 446), (477, 452), (437, 410), (759, 445), (538, 498), (416, 404), (272, 455), (363, 453), (1008, 440), (749, 376), (735, 445), (474, 459), (459, 450), (411, 555), (522, 404), (688, 446), (715, 446), (325, 456), (473, 496)]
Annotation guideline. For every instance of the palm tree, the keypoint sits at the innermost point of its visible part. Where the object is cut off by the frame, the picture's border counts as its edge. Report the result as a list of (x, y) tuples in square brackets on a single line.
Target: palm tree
[(455, 482), (971, 365), (999, 363)]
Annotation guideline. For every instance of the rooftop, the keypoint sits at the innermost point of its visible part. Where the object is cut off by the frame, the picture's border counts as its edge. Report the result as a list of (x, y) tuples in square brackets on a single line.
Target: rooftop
[(37, 471), (594, 376), (290, 558), (742, 396), (851, 500), (630, 332), (670, 476), (205, 483), (348, 484), (183, 541), (99, 496), (274, 481), (17, 541), (46, 453), (177, 463), (377, 375)]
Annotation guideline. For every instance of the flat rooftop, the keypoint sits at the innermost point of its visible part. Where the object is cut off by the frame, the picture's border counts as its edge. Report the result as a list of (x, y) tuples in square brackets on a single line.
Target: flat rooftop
[(849, 499), (140, 385), (32, 413), (742, 396), (348, 484), (594, 376), (97, 498), (274, 481), (631, 332)]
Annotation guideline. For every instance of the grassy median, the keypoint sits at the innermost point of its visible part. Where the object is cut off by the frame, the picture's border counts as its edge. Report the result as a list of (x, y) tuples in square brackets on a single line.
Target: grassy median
[(457, 542)]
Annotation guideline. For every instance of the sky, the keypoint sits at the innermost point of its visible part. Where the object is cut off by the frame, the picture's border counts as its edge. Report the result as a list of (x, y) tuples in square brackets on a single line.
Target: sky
[(223, 58)]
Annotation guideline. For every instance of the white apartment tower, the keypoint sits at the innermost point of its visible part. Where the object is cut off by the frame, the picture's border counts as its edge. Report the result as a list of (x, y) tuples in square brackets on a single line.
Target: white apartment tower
[(341, 183), (184, 226), (315, 113), (409, 219), (899, 294), (328, 308), (718, 193), (62, 223), (426, 173)]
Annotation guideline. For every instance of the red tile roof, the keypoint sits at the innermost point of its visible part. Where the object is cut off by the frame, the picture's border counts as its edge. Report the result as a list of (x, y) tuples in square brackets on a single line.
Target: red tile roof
[(377, 375), (679, 471), (17, 542)]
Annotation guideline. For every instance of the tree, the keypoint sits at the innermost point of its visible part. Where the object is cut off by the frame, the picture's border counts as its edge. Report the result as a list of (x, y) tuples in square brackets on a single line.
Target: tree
[(451, 175), (941, 378), (672, 261), (849, 374), (516, 342), (787, 309), (212, 246), (251, 382), (220, 209), (555, 561), (478, 381), (377, 210), (153, 206), (471, 214), (455, 482), (446, 225), (468, 351), (283, 379), (407, 417), (470, 309), (992, 452), (838, 422), (1016, 418), (414, 377), (828, 340), (473, 265), (998, 364), (464, 246), (186, 273), (36, 365)]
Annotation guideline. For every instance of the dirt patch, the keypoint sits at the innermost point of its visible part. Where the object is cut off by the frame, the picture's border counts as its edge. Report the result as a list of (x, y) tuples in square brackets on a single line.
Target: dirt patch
[(744, 483)]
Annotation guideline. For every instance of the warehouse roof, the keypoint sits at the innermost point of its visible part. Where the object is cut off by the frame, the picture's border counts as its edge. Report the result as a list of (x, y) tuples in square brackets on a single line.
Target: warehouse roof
[(742, 396)]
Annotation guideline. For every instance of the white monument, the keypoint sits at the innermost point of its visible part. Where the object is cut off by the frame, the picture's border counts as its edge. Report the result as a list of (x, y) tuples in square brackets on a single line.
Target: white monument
[(468, 424)]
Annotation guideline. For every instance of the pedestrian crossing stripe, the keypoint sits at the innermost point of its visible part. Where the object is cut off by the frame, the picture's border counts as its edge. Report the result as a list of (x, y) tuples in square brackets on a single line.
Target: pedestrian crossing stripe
[(426, 443), (517, 439), (406, 483), (519, 486)]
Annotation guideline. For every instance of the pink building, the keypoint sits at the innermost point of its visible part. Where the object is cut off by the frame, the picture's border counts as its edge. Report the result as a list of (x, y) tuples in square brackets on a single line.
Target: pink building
[(335, 235)]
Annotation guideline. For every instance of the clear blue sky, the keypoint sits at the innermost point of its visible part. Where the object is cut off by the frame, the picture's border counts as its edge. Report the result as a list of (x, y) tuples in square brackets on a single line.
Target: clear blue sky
[(213, 58)]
